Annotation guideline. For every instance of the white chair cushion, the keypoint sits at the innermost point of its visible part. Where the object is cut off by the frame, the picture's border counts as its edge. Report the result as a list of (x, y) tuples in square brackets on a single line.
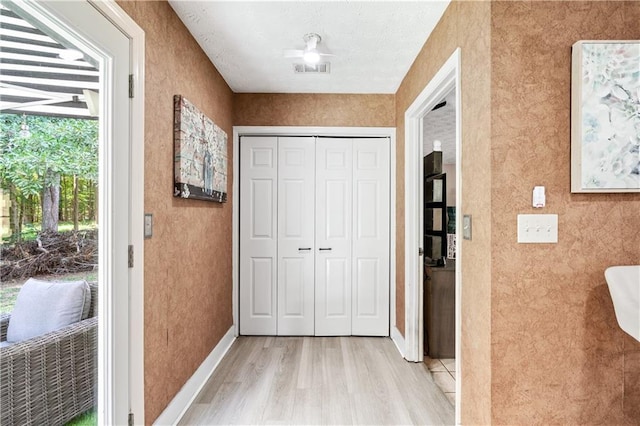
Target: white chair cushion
[(44, 306)]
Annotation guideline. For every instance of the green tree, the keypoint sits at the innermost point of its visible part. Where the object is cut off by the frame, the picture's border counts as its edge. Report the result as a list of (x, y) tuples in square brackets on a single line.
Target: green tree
[(33, 164)]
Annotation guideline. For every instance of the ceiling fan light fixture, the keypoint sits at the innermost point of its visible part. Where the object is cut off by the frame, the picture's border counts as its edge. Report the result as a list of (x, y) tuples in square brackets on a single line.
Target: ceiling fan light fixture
[(311, 56)]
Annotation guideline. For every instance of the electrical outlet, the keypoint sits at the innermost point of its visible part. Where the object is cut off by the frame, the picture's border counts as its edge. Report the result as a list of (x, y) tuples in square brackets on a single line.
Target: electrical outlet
[(538, 228)]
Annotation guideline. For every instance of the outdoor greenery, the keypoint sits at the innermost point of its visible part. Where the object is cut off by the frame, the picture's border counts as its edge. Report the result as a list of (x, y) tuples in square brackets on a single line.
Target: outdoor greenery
[(49, 167), (8, 295), (30, 231), (49, 173), (89, 418)]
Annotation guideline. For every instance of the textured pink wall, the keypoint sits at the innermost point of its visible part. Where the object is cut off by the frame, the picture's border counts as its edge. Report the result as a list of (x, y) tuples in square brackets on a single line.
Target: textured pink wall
[(558, 355), (465, 25), (293, 109), (187, 263)]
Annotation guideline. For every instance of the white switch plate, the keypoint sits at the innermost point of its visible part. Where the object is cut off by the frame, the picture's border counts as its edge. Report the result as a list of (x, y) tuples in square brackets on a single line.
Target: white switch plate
[(466, 226), (148, 225), (537, 228)]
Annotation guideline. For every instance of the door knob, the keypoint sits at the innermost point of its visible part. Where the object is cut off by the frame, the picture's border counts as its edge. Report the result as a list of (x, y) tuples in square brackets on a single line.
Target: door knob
[(420, 251)]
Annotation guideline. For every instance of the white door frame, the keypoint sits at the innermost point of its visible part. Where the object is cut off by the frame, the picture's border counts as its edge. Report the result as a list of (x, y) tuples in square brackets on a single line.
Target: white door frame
[(135, 362), (446, 79), (238, 131), (120, 19)]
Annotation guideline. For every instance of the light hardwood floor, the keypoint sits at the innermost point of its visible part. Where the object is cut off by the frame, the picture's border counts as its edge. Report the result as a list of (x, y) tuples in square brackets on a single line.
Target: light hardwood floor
[(319, 380)]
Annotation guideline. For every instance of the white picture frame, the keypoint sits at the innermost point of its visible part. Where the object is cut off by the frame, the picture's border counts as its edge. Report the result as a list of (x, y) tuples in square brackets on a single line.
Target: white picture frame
[(605, 119)]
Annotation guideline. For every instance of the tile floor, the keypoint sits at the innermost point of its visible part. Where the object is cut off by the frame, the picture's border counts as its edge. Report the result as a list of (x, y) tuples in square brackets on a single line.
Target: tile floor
[(443, 372)]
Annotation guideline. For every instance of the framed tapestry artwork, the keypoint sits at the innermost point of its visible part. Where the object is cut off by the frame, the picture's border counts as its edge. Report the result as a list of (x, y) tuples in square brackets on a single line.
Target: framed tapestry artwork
[(200, 154), (605, 116)]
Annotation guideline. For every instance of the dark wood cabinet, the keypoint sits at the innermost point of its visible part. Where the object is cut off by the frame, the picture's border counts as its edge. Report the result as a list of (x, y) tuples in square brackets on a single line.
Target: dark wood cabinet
[(440, 311)]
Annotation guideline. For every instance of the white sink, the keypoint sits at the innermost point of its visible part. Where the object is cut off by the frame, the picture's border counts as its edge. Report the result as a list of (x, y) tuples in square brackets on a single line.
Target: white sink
[(624, 286)]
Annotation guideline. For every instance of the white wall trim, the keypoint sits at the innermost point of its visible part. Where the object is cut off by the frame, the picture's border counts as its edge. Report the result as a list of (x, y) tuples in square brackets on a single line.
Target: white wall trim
[(113, 12), (185, 397), (397, 338), (235, 229), (313, 131), (458, 418), (392, 240), (446, 79), (238, 131)]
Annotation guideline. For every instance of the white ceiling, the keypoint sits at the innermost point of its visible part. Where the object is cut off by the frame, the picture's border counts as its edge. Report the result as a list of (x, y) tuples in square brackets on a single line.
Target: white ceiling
[(441, 125), (375, 42)]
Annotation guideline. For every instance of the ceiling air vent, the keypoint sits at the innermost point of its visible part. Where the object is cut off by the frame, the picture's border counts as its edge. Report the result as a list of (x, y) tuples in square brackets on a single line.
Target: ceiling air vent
[(323, 68)]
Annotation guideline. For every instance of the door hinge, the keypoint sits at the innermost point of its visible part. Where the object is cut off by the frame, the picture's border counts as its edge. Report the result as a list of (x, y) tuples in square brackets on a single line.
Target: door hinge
[(131, 85), (131, 256), (131, 423)]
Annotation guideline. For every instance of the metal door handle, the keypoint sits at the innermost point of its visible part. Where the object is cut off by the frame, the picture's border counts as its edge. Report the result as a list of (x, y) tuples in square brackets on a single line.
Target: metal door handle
[(324, 248), (420, 251), (304, 249)]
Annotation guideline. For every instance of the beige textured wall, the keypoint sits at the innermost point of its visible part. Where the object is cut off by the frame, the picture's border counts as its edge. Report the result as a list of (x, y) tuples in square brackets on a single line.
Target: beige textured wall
[(465, 25), (306, 109), (558, 354), (187, 263)]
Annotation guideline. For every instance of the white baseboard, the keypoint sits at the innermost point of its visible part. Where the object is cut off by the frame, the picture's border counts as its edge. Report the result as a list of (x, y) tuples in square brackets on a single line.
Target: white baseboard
[(398, 339), (185, 397)]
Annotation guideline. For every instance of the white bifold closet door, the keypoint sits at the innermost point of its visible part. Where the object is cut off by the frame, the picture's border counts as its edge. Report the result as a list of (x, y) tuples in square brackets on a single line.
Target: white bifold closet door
[(258, 235), (277, 219), (314, 236), (296, 221), (352, 237), (370, 242), (334, 158)]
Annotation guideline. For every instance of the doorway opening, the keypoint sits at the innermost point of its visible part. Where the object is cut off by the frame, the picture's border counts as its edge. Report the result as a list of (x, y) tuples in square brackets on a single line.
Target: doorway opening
[(444, 87), (439, 244), (107, 44)]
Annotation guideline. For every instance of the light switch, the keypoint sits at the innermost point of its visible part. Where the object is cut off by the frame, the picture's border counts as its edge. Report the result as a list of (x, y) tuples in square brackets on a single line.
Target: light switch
[(538, 228), (148, 225), (466, 226)]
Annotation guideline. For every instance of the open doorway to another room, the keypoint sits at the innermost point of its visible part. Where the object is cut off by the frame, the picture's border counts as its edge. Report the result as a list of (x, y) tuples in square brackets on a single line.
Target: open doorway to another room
[(432, 247), (439, 230)]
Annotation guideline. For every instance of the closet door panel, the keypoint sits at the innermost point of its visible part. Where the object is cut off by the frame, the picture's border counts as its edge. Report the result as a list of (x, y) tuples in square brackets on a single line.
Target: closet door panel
[(258, 235), (336, 285), (333, 236), (296, 221), (261, 271), (370, 289)]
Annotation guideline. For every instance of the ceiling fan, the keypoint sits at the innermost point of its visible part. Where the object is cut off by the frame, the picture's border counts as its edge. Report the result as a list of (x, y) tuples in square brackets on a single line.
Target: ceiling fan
[(310, 54)]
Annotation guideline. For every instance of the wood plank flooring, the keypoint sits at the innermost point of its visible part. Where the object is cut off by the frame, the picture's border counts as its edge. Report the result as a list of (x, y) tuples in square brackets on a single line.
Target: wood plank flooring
[(319, 380)]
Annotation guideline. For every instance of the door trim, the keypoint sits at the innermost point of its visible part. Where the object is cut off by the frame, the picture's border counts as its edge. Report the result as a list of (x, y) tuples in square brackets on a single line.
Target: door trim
[(119, 18), (446, 79), (239, 131)]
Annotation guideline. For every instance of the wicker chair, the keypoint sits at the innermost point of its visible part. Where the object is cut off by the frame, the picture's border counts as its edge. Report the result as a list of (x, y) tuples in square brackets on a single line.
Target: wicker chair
[(50, 379)]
